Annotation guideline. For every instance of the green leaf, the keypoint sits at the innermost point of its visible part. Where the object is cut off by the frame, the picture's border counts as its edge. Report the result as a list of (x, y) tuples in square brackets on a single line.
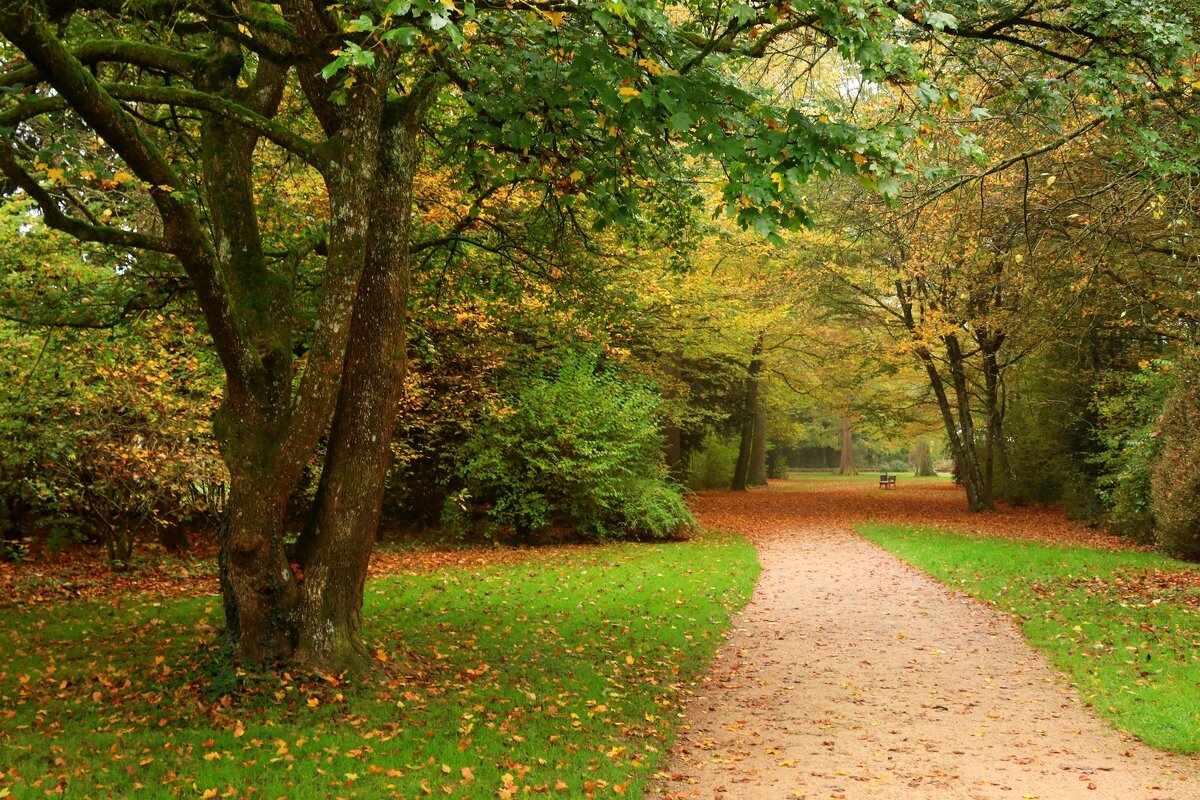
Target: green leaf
[(405, 36), (889, 187), (941, 21), (680, 121)]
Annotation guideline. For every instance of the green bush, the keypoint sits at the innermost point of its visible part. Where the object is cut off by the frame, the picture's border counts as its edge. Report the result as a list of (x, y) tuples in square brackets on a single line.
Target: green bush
[(711, 467), (1127, 423), (1050, 429), (1175, 477), (581, 450)]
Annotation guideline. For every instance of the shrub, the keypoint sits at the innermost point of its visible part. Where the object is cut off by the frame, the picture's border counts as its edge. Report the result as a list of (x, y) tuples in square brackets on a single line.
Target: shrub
[(1175, 477), (1127, 423), (106, 436), (581, 450), (711, 467)]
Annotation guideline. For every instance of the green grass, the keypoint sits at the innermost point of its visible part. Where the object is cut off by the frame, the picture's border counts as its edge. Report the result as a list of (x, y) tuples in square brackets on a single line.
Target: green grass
[(1123, 626), (563, 675)]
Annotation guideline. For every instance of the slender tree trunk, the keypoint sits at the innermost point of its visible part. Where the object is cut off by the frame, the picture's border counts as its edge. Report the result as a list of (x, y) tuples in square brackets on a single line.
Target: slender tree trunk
[(846, 466), (741, 472), (994, 449), (957, 444), (673, 447), (758, 446), (923, 468), (978, 496), (960, 431), (350, 494)]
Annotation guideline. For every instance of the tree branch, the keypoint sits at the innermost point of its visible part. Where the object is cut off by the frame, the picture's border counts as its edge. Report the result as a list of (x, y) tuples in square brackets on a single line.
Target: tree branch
[(53, 215)]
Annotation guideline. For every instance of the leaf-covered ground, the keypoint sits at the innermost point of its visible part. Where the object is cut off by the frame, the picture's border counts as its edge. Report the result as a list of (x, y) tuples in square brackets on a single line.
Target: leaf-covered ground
[(930, 502), (500, 674)]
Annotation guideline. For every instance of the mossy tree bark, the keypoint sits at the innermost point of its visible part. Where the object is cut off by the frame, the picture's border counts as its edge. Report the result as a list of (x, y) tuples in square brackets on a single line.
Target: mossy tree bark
[(339, 540)]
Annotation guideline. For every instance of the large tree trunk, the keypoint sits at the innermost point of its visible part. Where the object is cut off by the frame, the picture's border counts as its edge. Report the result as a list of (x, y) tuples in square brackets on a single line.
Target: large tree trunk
[(758, 445), (257, 583), (846, 466), (350, 495), (267, 429), (256, 580), (741, 472), (923, 459)]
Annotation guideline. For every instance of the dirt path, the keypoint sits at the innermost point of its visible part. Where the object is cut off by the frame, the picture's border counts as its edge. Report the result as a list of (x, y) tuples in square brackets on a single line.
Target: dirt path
[(851, 675)]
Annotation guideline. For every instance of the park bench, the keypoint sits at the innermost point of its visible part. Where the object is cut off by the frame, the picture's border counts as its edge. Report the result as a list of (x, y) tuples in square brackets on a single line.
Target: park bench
[(887, 481)]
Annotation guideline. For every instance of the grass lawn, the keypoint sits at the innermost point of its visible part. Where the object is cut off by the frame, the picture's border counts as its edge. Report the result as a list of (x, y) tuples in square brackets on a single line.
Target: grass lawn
[(1124, 626), (561, 676)]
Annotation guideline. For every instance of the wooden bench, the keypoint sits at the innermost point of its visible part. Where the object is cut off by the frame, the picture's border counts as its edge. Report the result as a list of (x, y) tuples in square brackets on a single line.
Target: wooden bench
[(887, 481)]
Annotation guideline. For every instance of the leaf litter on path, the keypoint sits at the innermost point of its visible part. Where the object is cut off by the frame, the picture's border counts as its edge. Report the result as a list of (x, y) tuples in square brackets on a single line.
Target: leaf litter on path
[(852, 675)]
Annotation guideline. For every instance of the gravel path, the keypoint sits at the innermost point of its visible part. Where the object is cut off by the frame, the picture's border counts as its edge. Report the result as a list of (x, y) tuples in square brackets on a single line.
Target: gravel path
[(852, 675)]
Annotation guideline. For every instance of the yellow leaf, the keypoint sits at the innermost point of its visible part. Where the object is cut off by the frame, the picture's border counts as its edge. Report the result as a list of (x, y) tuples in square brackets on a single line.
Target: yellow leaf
[(576, 175), (1050, 181), (122, 177), (208, 794), (56, 175), (555, 18), (467, 774), (651, 66), (628, 659), (313, 702), (628, 93)]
